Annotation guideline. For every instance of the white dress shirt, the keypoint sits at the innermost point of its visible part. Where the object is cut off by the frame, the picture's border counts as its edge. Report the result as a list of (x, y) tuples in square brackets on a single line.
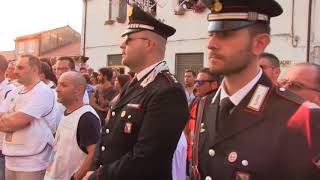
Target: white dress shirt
[(241, 93)]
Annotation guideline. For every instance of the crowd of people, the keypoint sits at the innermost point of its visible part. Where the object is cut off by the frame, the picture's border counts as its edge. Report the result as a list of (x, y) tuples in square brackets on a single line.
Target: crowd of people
[(233, 120), (37, 96)]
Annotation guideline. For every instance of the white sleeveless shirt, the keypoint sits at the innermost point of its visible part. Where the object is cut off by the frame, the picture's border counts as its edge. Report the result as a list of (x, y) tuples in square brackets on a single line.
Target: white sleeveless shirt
[(67, 157)]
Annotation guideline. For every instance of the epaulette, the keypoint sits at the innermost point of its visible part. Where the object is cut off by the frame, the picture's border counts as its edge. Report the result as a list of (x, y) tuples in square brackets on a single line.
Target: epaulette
[(288, 95), (170, 77)]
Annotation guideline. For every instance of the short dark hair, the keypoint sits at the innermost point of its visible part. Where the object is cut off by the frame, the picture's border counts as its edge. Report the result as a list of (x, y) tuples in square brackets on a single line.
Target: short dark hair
[(191, 71), (274, 61), (72, 65), (3, 63), (259, 28), (32, 60), (48, 74), (212, 75), (94, 74), (106, 72)]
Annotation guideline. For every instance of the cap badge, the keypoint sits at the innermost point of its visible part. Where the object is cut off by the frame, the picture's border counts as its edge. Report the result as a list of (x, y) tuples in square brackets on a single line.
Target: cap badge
[(217, 6), (129, 10), (123, 113), (232, 157)]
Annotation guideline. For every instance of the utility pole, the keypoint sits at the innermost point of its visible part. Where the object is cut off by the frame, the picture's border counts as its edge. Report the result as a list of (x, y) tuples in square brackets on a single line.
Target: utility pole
[(309, 30)]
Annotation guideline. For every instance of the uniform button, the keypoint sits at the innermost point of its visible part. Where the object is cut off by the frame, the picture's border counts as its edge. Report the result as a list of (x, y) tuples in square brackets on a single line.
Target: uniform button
[(233, 156), (113, 113), (244, 162), (212, 152), (103, 148), (282, 89), (208, 178), (107, 131)]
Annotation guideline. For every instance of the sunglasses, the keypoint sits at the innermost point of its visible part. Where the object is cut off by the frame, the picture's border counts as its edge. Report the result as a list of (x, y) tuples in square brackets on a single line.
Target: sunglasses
[(266, 67), (127, 39), (294, 85), (201, 82)]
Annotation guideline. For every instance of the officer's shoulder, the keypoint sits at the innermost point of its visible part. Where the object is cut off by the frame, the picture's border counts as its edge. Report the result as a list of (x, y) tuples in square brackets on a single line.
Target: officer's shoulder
[(167, 79), (288, 95)]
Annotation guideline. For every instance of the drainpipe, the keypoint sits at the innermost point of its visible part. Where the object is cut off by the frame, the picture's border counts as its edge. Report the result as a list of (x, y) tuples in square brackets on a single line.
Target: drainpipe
[(85, 28), (309, 30)]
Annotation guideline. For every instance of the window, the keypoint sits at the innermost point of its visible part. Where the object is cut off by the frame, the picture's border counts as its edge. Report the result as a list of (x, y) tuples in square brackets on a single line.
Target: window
[(21, 47), (117, 11), (114, 62), (192, 61), (31, 46)]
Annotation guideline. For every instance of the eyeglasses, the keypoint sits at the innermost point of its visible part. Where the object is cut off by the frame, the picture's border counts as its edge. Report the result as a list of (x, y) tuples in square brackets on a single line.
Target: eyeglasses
[(127, 39), (294, 85), (201, 82)]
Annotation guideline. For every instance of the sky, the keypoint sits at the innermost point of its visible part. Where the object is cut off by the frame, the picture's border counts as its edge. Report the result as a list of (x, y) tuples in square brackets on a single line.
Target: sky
[(22, 17)]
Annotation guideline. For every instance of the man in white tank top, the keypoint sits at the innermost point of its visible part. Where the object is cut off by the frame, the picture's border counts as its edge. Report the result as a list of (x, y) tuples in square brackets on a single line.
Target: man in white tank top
[(77, 134)]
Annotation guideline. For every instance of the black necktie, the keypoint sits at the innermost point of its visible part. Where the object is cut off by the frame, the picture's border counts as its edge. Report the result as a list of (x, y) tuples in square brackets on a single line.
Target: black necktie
[(224, 110)]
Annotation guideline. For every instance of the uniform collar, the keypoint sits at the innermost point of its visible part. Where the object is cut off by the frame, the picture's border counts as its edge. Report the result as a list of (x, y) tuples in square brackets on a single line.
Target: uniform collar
[(145, 71), (241, 93)]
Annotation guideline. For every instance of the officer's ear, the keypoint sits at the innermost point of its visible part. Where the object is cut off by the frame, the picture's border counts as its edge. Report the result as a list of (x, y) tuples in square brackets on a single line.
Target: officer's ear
[(276, 72), (149, 44), (260, 42), (317, 99), (214, 85)]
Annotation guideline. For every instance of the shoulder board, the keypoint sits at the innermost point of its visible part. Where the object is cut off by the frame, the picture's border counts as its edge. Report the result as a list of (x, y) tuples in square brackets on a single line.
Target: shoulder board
[(170, 77), (288, 95)]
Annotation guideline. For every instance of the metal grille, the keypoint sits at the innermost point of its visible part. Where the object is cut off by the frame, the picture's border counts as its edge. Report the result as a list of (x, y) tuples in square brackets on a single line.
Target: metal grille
[(193, 61), (114, 60)]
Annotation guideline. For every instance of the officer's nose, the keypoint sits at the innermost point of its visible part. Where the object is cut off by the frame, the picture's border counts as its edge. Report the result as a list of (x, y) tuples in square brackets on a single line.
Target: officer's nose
[(122, 44), (212, 41)]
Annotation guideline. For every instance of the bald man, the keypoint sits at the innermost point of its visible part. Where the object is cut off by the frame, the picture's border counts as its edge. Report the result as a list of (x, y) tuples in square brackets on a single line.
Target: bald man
[(78, 131)]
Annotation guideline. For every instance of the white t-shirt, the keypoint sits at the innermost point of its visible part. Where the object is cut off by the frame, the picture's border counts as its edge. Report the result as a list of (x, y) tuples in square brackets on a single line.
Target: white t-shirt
[(179, 161), (5, 91), (38, 103)]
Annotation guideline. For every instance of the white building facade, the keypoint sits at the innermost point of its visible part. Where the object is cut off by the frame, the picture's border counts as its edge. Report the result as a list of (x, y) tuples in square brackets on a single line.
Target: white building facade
[(104, 21)]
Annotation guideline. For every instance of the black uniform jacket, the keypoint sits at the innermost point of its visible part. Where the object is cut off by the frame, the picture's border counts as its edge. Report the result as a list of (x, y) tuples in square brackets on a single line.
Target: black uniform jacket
[(142, 134), (263, 144)]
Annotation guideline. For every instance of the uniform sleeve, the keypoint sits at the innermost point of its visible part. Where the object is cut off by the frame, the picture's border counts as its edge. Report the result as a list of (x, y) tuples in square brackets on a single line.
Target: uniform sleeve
[(164, 119), (88, 131)]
